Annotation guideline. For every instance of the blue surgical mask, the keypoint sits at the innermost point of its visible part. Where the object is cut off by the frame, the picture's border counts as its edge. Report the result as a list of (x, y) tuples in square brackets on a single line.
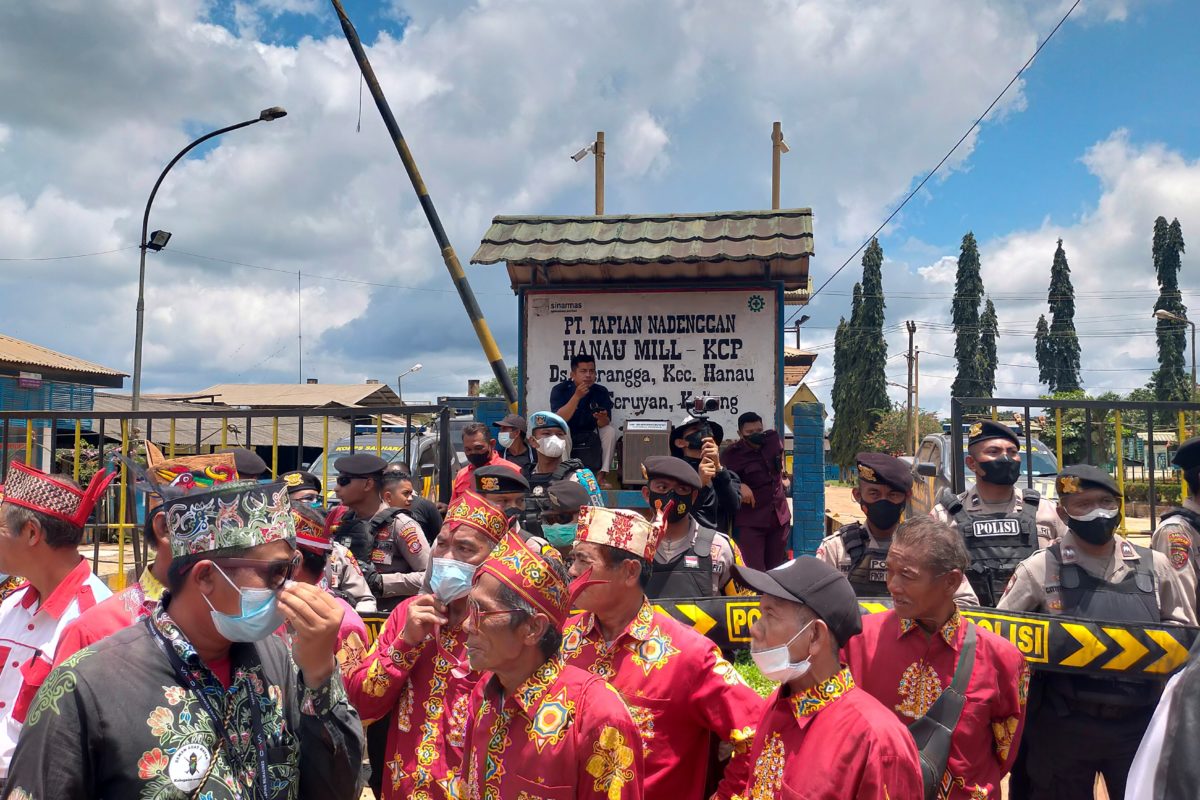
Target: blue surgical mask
[(260, 615), (562, 535), (505, 439), (450, 580)]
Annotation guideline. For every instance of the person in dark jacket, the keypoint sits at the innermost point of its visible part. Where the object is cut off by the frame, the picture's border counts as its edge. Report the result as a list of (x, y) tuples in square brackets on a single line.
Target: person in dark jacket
[(764, 519), (720, 489)]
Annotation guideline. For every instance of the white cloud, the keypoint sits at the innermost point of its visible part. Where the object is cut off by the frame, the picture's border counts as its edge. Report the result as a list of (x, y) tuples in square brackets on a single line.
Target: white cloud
[(941, 271)]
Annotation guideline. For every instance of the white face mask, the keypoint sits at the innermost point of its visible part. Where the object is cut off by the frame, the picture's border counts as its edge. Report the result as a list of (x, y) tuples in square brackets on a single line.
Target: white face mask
[(505, 439), (775, 663), (552, 446)]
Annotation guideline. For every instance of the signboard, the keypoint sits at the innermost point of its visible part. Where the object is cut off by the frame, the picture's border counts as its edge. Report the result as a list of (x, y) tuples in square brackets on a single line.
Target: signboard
[(29, 380), (654, 349)]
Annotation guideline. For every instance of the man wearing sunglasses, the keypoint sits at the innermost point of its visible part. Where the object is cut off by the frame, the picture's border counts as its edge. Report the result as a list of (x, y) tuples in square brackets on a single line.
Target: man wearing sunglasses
[(199, 698), (389, 545)]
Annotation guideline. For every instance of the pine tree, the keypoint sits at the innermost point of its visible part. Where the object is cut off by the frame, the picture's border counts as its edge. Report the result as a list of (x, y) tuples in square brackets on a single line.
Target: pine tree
[(968, 291), (989, 330), (870, 364), (1063, 344), (1041, 344), (846, 435), (1170, 381)]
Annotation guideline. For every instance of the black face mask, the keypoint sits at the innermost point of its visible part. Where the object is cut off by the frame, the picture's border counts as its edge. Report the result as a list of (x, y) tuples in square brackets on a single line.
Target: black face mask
[(683, 504), (1094, 531), (757, 439), (883, 514), (1001, 471), (695, 440), (479, 459)]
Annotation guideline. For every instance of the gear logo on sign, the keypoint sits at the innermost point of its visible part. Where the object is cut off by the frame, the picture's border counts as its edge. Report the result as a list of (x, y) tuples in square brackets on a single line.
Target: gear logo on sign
[(756, 303)]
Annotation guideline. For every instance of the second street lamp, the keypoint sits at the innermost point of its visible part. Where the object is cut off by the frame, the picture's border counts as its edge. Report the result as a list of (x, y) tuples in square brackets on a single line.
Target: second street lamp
[(160, 239)]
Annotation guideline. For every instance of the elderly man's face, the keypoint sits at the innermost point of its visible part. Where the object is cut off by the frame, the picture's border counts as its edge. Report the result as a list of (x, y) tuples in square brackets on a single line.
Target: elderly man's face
[(918, 590), (492, 640), (778, 624)]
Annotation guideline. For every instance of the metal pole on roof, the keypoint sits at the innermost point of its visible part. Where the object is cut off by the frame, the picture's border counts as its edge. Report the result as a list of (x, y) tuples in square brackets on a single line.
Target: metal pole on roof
[(491, 351), (599, 154), (778, 148)]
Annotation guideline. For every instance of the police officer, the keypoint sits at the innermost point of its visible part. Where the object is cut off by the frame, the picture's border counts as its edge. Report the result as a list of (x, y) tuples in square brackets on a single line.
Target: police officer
[(560, 515), (860, 549), (551, 439), (1178, 533), (504, 489), (389, 545), (304, 488), (1001, 525), (691, 560), (1080, 725), (249, 464)]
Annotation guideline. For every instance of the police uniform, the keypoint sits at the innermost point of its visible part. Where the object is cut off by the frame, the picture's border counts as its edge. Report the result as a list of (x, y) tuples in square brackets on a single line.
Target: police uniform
[(1178, 533), (1081, 724), (999, 536), (700, 562)]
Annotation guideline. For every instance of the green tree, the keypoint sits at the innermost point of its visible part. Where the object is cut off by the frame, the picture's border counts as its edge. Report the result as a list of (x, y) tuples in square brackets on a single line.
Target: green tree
[(968, 291), (1170, 382), (890, 433), (492, 388), (847, 409), (1041, 345), (1063, 344), (870, 361), (989, 330)]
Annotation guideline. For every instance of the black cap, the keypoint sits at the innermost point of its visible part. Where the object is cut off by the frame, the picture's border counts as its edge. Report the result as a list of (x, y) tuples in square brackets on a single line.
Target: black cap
[(1084, 476), (299, 480), (818, 585), (566, 497), (982, 431), (1188, 454), (718, 433), (499, 479), (884, 469), (248, 462), (671, 467), (513, 421), (362, 465)]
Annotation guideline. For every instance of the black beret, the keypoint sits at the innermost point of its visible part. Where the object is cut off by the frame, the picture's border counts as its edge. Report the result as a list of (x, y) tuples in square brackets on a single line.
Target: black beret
[(1084, 476), (567, 497), (982, 431), (497, 479), (818, 585), (299, 480), (1188, 454), (360, 464), (884, 469), (248, 462), (671, 467)]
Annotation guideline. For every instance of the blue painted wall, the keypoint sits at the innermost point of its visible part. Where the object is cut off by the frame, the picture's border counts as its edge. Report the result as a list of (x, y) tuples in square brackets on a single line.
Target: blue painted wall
[(808, 478)]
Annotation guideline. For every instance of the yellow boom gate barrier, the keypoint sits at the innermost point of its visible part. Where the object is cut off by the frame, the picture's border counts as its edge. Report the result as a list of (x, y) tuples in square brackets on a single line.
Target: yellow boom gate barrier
[(77, 444)]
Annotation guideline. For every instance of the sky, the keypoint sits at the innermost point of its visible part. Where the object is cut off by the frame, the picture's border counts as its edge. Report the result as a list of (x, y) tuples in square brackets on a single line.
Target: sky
[(1100, 136)]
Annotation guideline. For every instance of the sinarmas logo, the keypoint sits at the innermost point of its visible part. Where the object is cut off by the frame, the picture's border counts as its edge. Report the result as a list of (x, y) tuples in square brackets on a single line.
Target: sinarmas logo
[(756, 303)]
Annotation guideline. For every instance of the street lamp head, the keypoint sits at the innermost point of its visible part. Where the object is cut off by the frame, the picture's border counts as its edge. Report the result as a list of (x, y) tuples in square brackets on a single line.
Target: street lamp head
[(158, 240), (416, 368), (783, 147), (274, 112), (1163, 314)]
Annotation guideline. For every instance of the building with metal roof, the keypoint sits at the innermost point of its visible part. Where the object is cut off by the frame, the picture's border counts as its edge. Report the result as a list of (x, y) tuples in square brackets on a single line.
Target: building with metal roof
[(17, 356), (294, 395)]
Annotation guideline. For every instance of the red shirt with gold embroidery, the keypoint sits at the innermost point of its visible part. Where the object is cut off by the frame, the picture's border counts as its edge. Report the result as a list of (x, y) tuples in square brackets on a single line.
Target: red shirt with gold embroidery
[(424, 745), (563, 734), (648, 664), (832, 742), (907, 669)]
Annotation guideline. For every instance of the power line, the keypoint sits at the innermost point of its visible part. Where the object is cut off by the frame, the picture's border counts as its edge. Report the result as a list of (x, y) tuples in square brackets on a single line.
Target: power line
[(945, 158), (1035, 366), (76, 255)]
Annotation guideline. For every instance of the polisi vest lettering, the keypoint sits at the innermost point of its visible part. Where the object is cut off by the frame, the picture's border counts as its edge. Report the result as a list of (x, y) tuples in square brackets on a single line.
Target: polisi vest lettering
[(997, 527)]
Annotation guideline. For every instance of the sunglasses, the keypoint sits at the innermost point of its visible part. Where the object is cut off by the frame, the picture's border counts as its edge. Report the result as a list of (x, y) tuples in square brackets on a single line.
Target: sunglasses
[(274, 573), (344, 480)]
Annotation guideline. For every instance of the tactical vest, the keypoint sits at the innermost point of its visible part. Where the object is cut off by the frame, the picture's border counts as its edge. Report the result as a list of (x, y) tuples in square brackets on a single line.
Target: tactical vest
[(1133, 600), (868, 565), (997, 543), (543, 480), (371, 542), (689, 574)]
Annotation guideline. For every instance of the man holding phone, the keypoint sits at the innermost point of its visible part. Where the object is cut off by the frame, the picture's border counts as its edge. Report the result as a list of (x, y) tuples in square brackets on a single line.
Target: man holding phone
[(580, 400)]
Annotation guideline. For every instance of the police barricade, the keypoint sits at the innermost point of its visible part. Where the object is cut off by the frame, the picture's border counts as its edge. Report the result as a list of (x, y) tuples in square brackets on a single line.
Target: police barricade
[(1056, 643)]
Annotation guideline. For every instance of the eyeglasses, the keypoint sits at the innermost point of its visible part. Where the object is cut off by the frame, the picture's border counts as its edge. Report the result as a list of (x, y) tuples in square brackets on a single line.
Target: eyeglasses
[(274, 573), (475, 614)]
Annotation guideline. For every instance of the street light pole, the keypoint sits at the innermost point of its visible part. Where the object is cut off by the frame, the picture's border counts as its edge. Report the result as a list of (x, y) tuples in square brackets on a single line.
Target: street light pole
[(413, 368), (266, 115)]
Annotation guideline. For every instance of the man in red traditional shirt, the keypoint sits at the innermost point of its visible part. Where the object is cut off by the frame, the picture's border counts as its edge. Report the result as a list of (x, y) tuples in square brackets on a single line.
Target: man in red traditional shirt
[(415, 670), (906, 657), (821, 737), (538, 728), (647, 656)]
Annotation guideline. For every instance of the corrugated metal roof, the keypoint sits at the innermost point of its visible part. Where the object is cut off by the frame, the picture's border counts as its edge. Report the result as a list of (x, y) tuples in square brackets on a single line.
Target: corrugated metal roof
[(643, 239), (21, 354), (792, 355), (300, 395)]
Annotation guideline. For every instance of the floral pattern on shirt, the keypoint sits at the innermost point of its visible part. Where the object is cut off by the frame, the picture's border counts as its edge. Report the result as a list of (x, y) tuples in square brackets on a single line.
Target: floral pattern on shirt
[(813, 699), (768, 770), (611, 763)]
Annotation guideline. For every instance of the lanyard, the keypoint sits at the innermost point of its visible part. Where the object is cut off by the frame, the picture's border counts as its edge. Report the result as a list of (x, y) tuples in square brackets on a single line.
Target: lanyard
[(188, 679)]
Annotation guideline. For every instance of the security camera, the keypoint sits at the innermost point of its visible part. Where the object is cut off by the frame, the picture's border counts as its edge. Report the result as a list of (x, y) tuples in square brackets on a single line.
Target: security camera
[(582, 154)]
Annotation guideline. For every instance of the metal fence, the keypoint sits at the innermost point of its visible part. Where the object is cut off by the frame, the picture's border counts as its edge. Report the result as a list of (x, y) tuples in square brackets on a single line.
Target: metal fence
[(78, 443), (1106, 426)]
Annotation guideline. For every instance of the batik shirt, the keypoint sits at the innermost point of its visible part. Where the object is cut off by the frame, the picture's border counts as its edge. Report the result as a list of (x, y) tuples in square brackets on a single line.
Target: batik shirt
[(648, 664), (563, 734), (832, 741), (906, 669), (29, 629), (429, 704), (106, 618), (115, 720)]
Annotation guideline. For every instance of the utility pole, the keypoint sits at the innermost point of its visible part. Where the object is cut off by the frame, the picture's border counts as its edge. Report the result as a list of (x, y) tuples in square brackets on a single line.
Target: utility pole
[(599, 153), (778, 147), (909, 411), (916, 398)]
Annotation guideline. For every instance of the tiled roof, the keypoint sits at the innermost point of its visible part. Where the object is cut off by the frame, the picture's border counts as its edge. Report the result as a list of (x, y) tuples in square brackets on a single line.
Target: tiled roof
[(21, 355), (299, 395)]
